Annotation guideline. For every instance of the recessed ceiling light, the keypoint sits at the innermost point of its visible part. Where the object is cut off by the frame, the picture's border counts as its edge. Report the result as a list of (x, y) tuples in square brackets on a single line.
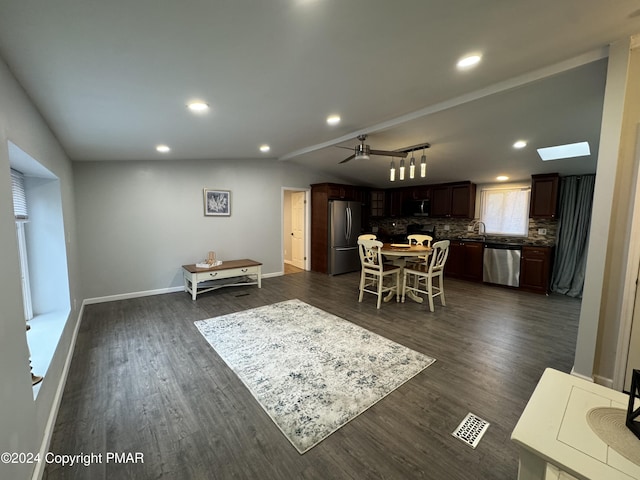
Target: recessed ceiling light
[(265, 148), (520, 144), (469, 61), (570, 150), (163, 148), (333, 119), (198, 106), (502, 178)]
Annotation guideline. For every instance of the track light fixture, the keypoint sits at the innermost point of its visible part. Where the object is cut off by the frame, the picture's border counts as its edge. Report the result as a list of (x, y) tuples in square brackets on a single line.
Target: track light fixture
[(412, 166), (412, 163)]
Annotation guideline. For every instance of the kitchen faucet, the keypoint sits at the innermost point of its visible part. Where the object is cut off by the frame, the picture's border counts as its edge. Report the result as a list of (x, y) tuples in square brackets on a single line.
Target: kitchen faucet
[(484, 229)]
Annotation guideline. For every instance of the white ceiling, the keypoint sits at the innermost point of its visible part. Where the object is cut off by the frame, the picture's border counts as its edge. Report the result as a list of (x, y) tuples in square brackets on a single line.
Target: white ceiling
[(112, 79)]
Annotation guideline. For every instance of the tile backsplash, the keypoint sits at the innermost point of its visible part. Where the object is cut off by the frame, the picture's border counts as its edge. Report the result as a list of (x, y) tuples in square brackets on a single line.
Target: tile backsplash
[(390, 226)]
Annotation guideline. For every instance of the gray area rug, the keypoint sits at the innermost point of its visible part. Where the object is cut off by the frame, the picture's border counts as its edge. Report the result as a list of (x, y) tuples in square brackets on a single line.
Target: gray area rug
[(311, 371)]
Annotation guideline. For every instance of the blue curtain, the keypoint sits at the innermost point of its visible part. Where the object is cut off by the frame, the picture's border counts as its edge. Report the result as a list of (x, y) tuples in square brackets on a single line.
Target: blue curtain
[(576, 201)]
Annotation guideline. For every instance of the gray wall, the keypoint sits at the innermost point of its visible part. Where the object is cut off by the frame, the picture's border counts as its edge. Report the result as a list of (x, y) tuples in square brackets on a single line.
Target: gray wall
[(23, 421), (140, 221)]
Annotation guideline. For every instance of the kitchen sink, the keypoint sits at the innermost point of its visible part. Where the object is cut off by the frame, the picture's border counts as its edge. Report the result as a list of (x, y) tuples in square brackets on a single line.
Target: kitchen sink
[(471, 239)]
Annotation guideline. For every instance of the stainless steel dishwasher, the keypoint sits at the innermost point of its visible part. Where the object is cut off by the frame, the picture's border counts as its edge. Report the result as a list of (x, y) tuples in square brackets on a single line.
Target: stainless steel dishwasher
[(501, 264)]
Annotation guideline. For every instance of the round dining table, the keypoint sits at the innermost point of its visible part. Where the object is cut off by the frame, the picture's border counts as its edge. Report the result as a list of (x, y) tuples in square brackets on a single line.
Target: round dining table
[(402, 251)]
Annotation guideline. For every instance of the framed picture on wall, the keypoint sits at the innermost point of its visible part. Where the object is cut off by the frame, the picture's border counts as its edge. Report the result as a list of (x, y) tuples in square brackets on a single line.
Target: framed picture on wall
[(217, 202)]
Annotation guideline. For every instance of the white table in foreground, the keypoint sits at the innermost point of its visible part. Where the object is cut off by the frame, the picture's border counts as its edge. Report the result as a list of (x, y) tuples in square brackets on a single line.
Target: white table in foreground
[(229, 269), (401, 251), (554, 438)]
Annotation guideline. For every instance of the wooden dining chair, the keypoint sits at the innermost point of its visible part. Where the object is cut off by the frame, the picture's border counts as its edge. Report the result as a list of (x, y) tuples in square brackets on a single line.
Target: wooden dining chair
[(418, 277), (418, 239), (374, 272), (367, 236)]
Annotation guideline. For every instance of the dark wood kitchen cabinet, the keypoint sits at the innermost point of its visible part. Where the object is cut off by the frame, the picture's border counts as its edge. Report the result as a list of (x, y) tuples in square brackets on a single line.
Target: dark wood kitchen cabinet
[(377, 203), (535, 269), (321, 193), (394, 199), (453, 200), (544, 196), (465, 260)]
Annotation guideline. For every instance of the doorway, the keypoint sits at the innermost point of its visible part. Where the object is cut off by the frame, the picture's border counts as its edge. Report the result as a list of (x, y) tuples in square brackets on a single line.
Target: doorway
[(295, 235)]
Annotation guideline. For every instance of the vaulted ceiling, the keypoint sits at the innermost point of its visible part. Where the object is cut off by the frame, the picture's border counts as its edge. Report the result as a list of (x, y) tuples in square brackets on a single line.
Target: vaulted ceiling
[(112, 79)]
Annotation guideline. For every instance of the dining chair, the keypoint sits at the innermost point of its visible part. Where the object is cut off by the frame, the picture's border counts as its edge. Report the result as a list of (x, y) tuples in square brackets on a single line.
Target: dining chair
[(367, 236), (418, 277), (419, 239), (374, 272)]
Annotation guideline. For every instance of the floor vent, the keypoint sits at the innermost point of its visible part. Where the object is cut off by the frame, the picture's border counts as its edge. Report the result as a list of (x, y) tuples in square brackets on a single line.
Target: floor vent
[(471, 430)]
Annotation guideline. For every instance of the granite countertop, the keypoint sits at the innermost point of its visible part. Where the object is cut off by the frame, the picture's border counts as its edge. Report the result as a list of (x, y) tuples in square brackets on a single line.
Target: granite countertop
[(529, 242)]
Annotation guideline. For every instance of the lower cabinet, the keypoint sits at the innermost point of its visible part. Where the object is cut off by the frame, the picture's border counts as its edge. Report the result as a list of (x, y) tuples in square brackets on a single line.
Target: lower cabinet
[(465, 260), (535, 269)]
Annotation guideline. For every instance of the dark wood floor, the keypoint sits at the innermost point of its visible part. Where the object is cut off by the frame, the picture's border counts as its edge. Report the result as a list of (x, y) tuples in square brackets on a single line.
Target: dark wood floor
[(144, 380)]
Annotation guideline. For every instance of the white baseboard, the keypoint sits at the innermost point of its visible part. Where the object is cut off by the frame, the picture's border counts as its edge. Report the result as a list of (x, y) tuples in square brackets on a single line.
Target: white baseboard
[(604, 381), (148, 293), (126, 296), (38, 471), (579, 375), (598, 379)]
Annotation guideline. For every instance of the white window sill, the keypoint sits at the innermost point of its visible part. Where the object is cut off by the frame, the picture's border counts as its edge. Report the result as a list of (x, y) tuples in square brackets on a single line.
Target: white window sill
[(43, 337)]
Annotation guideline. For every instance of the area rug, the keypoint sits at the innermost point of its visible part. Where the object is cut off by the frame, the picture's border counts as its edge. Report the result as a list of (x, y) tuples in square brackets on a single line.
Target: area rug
[(312, 372)]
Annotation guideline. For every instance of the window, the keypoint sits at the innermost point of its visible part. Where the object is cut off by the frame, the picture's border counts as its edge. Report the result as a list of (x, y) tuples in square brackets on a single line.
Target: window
[(21, 215), (505, 211)]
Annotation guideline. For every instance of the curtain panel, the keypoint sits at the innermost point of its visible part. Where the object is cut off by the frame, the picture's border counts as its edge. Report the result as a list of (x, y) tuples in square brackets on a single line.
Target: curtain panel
[(575, 204)]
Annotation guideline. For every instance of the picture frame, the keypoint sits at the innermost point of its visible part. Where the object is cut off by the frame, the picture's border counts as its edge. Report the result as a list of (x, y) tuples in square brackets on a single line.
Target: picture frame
[(217, 203)]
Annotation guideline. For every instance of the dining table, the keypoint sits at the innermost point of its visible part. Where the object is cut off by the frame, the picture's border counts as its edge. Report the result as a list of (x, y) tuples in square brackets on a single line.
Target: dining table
[(400, 252)]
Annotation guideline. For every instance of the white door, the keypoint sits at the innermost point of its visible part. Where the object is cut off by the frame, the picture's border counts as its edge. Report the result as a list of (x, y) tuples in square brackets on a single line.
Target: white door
[(297, 228)]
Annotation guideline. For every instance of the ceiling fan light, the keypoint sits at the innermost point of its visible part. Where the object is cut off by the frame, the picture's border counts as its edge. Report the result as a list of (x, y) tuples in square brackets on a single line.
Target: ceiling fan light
[(392, 171), (401, 169), (362, 152), (423, 166)]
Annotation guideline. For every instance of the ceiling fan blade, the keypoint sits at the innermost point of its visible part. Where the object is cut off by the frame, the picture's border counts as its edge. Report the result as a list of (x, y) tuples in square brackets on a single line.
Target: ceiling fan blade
[(386, 153), (348, 158), (340, 146)]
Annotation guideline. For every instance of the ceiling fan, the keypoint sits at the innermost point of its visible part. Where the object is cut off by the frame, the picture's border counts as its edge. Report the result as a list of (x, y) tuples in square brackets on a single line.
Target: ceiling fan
[(363, 151)]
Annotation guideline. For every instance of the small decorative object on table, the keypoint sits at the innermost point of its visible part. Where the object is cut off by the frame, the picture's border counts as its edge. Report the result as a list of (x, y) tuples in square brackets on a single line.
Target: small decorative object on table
[(632, 423), (210, 261)]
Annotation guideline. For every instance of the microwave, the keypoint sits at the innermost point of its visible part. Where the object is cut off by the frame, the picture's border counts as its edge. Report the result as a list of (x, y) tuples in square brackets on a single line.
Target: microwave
[(416, 208)]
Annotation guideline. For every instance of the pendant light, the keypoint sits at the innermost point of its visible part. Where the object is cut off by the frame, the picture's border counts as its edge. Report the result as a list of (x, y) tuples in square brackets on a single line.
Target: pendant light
[(402, 169), (412, 166), (392, 171), (423, 165)]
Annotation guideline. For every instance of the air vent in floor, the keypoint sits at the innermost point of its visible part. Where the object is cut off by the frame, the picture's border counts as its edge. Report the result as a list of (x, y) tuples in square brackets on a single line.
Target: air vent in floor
[(471, 430)]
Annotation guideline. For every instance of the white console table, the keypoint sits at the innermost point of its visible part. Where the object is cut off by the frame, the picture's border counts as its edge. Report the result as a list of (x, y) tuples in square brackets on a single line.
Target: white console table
[(555, 440), (245, 268)]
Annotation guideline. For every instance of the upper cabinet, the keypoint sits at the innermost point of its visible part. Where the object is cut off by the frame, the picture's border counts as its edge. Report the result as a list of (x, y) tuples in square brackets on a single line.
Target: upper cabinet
[(344, 192), (453, 200), (376, 203), (395, 198), (544, 196)]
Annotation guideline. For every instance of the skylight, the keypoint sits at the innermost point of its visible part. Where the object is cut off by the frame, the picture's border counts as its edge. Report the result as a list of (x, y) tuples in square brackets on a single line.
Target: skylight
[(570, 150)]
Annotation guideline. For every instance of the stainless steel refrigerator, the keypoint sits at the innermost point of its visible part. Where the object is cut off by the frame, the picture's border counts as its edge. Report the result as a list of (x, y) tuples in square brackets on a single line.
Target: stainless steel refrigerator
[(345, 225)]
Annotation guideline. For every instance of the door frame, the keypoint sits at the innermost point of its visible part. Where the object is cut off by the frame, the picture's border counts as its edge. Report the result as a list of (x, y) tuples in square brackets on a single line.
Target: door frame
[(632, 276), (307, 224)]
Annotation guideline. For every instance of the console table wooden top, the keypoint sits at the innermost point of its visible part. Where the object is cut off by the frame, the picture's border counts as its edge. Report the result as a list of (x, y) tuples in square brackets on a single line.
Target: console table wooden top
[(229, 264)]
